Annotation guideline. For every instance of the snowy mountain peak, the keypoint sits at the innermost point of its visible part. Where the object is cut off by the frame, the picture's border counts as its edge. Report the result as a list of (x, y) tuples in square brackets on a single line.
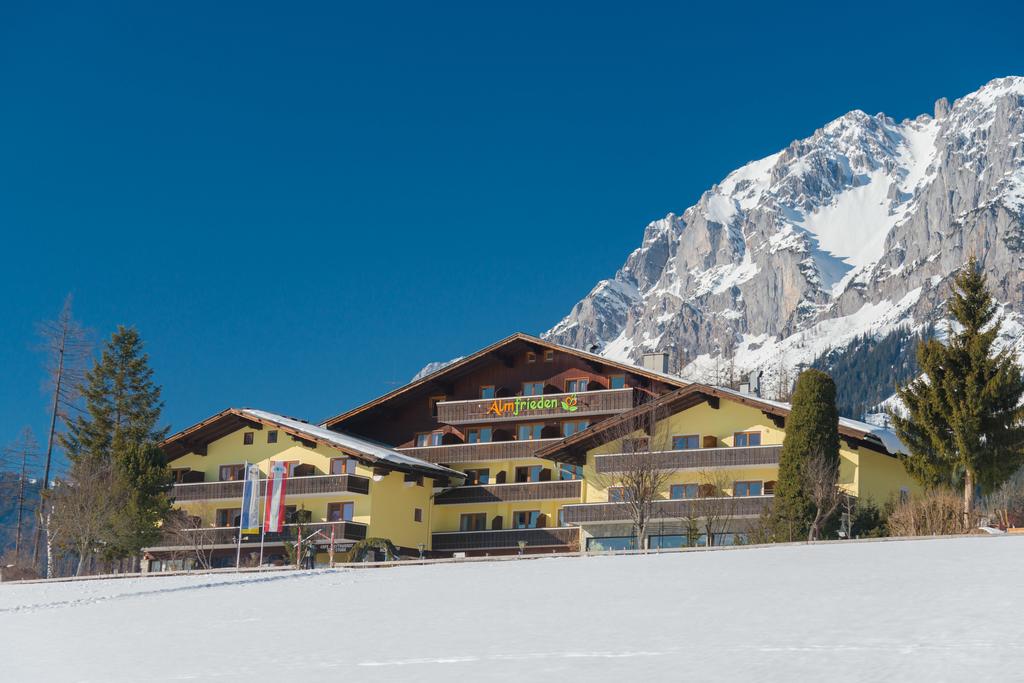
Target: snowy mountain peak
[(851, 230)]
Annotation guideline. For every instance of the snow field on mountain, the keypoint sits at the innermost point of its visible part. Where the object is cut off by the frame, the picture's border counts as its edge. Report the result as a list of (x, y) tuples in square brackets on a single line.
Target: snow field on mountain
[(940, 609)]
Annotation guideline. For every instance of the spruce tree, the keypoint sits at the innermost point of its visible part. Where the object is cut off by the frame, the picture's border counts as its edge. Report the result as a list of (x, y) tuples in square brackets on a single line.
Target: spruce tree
[(963, 424), (812, 431), (118, 431)]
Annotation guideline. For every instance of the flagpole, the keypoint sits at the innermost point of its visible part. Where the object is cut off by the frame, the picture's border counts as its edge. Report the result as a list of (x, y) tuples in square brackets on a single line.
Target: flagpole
[(263, 520), (238, 553)]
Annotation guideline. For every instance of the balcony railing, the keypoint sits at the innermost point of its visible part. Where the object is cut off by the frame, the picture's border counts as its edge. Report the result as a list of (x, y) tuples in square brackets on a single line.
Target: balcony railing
[(213, 537), (721, 506), (479, 452), (507, 493), (696, 458), (455, 541), (297, 486), (492, 410)]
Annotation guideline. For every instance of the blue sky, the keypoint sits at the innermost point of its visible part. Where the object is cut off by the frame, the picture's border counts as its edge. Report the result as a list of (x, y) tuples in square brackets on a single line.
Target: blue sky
[(300, 207)]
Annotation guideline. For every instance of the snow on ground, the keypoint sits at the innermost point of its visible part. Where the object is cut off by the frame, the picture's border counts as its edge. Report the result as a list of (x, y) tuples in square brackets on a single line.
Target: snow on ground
[(915, 610)]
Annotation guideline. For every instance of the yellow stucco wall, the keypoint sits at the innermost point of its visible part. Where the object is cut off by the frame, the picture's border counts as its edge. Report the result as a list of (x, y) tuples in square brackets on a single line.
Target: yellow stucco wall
[(388, 509), (863, 472)]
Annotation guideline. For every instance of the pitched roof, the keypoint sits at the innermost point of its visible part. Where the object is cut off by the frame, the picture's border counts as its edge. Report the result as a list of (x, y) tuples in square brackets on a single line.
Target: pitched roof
[(233, 419), (474, 359), (576, 446)]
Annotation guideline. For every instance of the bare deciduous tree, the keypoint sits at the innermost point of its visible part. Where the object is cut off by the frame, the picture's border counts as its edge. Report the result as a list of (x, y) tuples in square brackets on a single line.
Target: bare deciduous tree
[(821, 476), (22, 453), (193, 539), (65, 344), (712, 511), (82, 509), (640, 477)]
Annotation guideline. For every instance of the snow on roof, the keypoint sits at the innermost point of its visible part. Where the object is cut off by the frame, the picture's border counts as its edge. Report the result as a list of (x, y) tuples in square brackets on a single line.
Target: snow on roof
[(887, 437), (373, 449)]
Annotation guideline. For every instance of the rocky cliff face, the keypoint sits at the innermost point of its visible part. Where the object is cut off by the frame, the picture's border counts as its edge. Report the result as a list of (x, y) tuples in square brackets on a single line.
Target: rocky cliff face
[(855, 229)]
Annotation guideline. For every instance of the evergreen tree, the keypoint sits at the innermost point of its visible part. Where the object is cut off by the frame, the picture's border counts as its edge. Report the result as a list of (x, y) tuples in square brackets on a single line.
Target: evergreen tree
[(812, 431), (122, 403), (117, 433), (963, 424)]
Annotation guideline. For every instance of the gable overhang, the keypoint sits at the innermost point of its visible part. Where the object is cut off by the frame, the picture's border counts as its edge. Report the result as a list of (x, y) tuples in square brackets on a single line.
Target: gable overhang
[(504, 351), (574, 448), (196, 438)]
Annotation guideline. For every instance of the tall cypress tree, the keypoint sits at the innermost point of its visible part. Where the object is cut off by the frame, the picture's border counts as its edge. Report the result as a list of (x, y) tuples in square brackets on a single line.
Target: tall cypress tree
[(963, 424), (120, 428), (812, 430)]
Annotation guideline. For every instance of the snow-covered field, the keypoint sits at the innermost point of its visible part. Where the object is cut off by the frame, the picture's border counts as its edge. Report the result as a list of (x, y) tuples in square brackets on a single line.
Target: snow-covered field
[(916, 610)]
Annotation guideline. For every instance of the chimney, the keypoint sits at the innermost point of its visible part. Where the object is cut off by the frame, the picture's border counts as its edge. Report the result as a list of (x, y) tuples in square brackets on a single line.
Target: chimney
[(658, 362), (755, 382)]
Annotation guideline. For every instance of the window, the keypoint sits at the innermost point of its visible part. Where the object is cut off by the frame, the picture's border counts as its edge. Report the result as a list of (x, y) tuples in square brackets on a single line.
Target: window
[(742, 489), (429, 438), (570, 472), (478, 477), (561, 517), (531, 357), (769, 488), (417, 515), (231, 472), (682, 443), (677, 541), (617, 382), (179, 475), (340, 512), (272, 436), (533, 388), (637, 444), (746, 439), (574, 385), (248, 437), (229, 517), (530, 431), (525, 519), (549, 356), (479, 435), (616, 494), (343, 465), (570, 428), (476, 521), (611, 543), (487, 391), (683, 491), (530, 473), (432, 402)]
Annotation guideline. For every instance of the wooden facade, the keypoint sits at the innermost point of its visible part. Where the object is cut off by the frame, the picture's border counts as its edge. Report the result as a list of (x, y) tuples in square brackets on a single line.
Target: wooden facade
[(297, 486), (510, 493), (696, 458), (559, 538), (722, 506)]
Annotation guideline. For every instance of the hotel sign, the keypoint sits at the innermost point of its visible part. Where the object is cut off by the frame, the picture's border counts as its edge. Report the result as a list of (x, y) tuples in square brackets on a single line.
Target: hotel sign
[(526, 404)]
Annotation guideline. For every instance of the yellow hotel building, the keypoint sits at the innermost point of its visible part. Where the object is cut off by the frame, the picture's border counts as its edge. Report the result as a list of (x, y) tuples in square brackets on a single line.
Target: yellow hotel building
[(511, 449)]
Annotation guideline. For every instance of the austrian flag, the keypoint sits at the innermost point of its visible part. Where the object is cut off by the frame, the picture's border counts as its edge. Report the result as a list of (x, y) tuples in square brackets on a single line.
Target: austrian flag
[(273, 517)]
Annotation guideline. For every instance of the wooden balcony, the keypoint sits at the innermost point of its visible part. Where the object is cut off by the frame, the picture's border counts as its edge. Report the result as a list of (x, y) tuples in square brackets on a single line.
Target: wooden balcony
[(723, 506), (508, 539), (696, 458), (297, 486), (219, 537), (479, 452), (510, 493), (519, 408)]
